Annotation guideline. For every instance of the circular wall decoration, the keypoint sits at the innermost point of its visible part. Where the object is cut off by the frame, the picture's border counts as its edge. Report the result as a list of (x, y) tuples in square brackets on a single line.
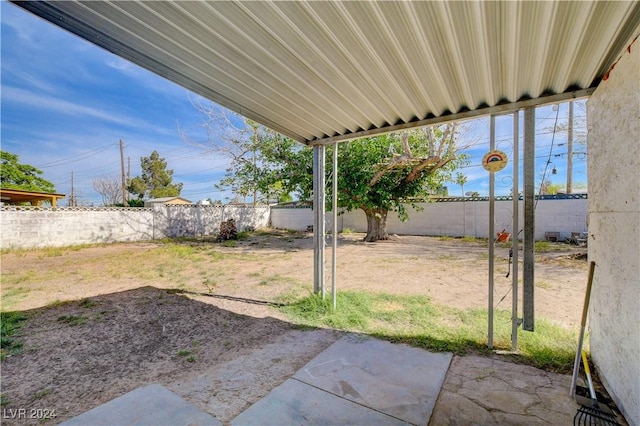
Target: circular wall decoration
[(494, 161)]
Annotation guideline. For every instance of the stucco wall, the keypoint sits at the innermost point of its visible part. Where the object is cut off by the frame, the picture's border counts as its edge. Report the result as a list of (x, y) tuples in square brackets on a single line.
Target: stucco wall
[(614, 230), (294, 218), (200, 220), (31, 227), (26, 227), (456, 219)]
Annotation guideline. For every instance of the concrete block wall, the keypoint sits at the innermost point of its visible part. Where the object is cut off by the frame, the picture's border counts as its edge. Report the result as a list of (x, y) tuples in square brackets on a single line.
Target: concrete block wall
[(33, 227), (471, 218), (613, 113), (294, 218), (191, 220), (556, 216), (30, 227)]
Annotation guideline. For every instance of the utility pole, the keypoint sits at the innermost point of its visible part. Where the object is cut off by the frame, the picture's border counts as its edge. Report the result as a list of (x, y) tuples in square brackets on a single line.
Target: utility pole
[(570, 150), (72, 198), (124, 185), (128, 175)]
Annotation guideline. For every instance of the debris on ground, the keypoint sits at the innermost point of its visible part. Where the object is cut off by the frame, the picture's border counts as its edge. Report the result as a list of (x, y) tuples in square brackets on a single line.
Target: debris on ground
[(228, 230)]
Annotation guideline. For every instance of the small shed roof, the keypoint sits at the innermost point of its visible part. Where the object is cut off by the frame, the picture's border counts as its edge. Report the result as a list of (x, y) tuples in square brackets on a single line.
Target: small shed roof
[(167, 200)]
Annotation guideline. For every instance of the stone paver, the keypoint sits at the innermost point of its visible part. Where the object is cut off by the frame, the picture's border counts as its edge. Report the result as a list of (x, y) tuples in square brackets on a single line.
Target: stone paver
[(487, 391)]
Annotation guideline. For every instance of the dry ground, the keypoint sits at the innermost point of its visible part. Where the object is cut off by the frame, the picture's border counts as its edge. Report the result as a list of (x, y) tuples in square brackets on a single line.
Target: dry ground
[(101, 321)]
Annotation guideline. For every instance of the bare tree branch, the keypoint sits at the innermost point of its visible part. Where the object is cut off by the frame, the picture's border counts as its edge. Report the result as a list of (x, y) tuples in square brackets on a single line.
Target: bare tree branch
[(433, 162), (405, 144), (110, 189)]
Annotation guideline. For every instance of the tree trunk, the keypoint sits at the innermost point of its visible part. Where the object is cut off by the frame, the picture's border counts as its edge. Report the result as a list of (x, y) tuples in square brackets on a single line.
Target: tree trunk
[(376, 224)]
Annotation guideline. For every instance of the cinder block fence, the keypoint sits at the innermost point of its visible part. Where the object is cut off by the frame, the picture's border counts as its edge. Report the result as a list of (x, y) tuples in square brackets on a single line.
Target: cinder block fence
[(26, 227), (457, 217)]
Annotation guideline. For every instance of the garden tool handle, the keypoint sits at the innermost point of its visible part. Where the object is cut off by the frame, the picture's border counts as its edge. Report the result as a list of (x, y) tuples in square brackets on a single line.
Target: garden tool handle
[(585, 363), (583, 322)]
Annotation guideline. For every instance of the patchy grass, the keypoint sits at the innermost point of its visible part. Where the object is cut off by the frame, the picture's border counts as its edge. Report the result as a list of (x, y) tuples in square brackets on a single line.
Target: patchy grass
[(475, 240), (58, 303), (10, 323), (26, 276), (48, 251), (416, 321), (188, 354), (41, 394), (13, 295), (72, 320), (243, 235), (275, 279), (543, 284), (446, 257), (52, 252), (88, 303), (547, 247)]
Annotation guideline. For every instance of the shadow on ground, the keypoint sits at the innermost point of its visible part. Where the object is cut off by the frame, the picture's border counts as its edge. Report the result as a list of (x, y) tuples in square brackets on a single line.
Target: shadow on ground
[(80, 354)]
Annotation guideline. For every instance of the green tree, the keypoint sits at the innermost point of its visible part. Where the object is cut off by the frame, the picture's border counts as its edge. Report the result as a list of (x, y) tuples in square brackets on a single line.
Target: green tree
[(549, 188), (377, 174), (14, 175), (156, 180), (461, 180), (381, 174), (254, 163)]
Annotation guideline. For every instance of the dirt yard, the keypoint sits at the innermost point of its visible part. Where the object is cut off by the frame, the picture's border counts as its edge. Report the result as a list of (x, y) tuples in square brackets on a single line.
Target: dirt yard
[(100, 321)]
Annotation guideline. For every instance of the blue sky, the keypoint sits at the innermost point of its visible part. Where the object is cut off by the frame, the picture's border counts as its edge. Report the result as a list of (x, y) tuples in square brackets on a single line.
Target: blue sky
[(66, 104)]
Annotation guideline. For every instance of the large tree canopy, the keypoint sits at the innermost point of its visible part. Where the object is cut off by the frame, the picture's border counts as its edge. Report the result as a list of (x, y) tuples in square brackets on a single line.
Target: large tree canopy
[(14, 175), (377, 174), (156, 180), (382, 173)]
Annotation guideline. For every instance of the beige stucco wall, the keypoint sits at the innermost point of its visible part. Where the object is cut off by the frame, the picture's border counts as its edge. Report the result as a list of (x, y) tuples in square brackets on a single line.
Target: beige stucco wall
[(614, 230)]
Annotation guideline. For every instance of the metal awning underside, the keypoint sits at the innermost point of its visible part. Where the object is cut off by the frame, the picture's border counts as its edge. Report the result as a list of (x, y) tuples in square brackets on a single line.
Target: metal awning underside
[(325, 71)]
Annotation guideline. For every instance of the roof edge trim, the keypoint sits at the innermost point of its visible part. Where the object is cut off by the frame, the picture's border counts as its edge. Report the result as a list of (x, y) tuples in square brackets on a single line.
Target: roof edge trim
[(468, 114)]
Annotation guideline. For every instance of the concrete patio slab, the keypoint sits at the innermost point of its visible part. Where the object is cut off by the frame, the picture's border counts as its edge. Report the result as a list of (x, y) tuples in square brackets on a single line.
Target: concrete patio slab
[(396, 381), (297, 403), (399, 380), (150, 405)]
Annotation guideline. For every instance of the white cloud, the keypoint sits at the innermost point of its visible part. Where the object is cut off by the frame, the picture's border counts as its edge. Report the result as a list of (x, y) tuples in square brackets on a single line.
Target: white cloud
[(59, 106)]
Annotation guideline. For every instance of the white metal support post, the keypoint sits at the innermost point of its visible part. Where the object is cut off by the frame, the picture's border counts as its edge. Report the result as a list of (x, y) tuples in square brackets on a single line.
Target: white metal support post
[(515, 321), (529, 218), (492, 181), (318, 218), (334, 231)]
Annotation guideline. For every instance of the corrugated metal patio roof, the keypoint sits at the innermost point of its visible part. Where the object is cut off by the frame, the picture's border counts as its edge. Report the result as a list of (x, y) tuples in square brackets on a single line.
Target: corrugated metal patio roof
[(325, 71)]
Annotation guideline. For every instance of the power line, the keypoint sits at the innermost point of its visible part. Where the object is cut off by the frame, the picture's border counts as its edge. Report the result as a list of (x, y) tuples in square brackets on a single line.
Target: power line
[(73, 159)]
